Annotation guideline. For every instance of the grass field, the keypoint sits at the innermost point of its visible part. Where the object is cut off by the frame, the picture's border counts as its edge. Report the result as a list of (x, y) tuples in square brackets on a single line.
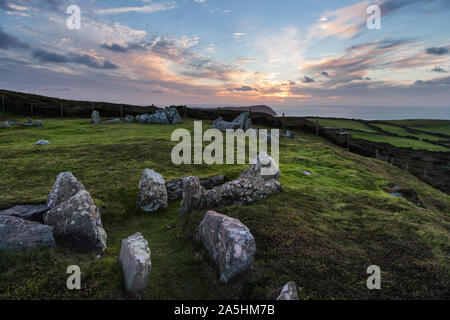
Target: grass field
[(404, 133), (370, 134), (322, 231), (343, 123), (399, 141), (434, 126)]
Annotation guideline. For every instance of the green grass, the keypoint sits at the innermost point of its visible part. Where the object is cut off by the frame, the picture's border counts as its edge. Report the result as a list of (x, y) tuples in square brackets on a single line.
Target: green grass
[(322, 231), (343, 123), (399, 141), (433, 126), (404, 133)]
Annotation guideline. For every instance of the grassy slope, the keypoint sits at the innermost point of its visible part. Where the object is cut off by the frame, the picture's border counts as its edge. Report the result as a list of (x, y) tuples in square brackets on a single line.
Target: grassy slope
[(323, 231)]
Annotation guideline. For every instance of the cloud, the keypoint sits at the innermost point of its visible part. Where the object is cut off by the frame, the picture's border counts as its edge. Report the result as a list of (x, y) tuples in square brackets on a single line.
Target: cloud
[(151, 8), (438, 51), (434, 82), (10, 42), (244, 89), (86, 60), (324, 73), (306, 79), (439, 70)]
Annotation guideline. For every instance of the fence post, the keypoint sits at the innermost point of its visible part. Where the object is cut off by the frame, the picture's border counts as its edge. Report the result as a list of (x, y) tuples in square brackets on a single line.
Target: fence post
[(317, 127), (61, 109), (121, 111), (348, 142), (185, 112), (219, 112), (31, 106), (3, 102), (282, 122)]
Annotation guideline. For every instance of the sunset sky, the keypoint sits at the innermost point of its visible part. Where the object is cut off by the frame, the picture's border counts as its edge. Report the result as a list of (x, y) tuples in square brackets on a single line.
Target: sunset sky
[(234, 52)]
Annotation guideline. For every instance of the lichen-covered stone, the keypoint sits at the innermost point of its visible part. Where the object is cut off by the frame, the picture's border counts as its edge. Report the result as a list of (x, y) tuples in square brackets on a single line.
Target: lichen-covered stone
[(16, 233), (263, 168), (129, 118), (28, 212), (175, 186), (95, 117), (77, 222), (173, 115), (192, 195), (65, 187), (289, 292), (135, 258), (229, 242), (152, 191)]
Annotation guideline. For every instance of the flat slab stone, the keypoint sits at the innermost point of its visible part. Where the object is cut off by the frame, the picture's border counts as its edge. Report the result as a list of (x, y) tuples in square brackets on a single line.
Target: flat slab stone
[(17, 233), (27, 212)]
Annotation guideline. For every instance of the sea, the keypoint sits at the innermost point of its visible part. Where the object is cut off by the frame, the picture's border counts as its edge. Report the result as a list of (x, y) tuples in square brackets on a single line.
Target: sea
[(353, 112)]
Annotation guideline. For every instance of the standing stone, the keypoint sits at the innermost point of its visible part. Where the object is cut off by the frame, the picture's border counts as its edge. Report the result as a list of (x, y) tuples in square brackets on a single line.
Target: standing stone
[(192, 195), (289, 292), (5, 124), (289, 134), (129, 118), (77, 222), (173, 115), (223, 125), (95, 117), (229, 242), (65, 186), (256, 172), (152, 191), (16, 233), (241, 120), (135, 258)]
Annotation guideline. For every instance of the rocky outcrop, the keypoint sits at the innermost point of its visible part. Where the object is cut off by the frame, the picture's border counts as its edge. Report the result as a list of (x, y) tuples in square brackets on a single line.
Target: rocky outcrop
[(135, 258), (229, 243), (152, 191), (77, 222), (175, 186), (65, 187), (28, 212), (263, 168), (289, 292), (95, 117), (16, 233)]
